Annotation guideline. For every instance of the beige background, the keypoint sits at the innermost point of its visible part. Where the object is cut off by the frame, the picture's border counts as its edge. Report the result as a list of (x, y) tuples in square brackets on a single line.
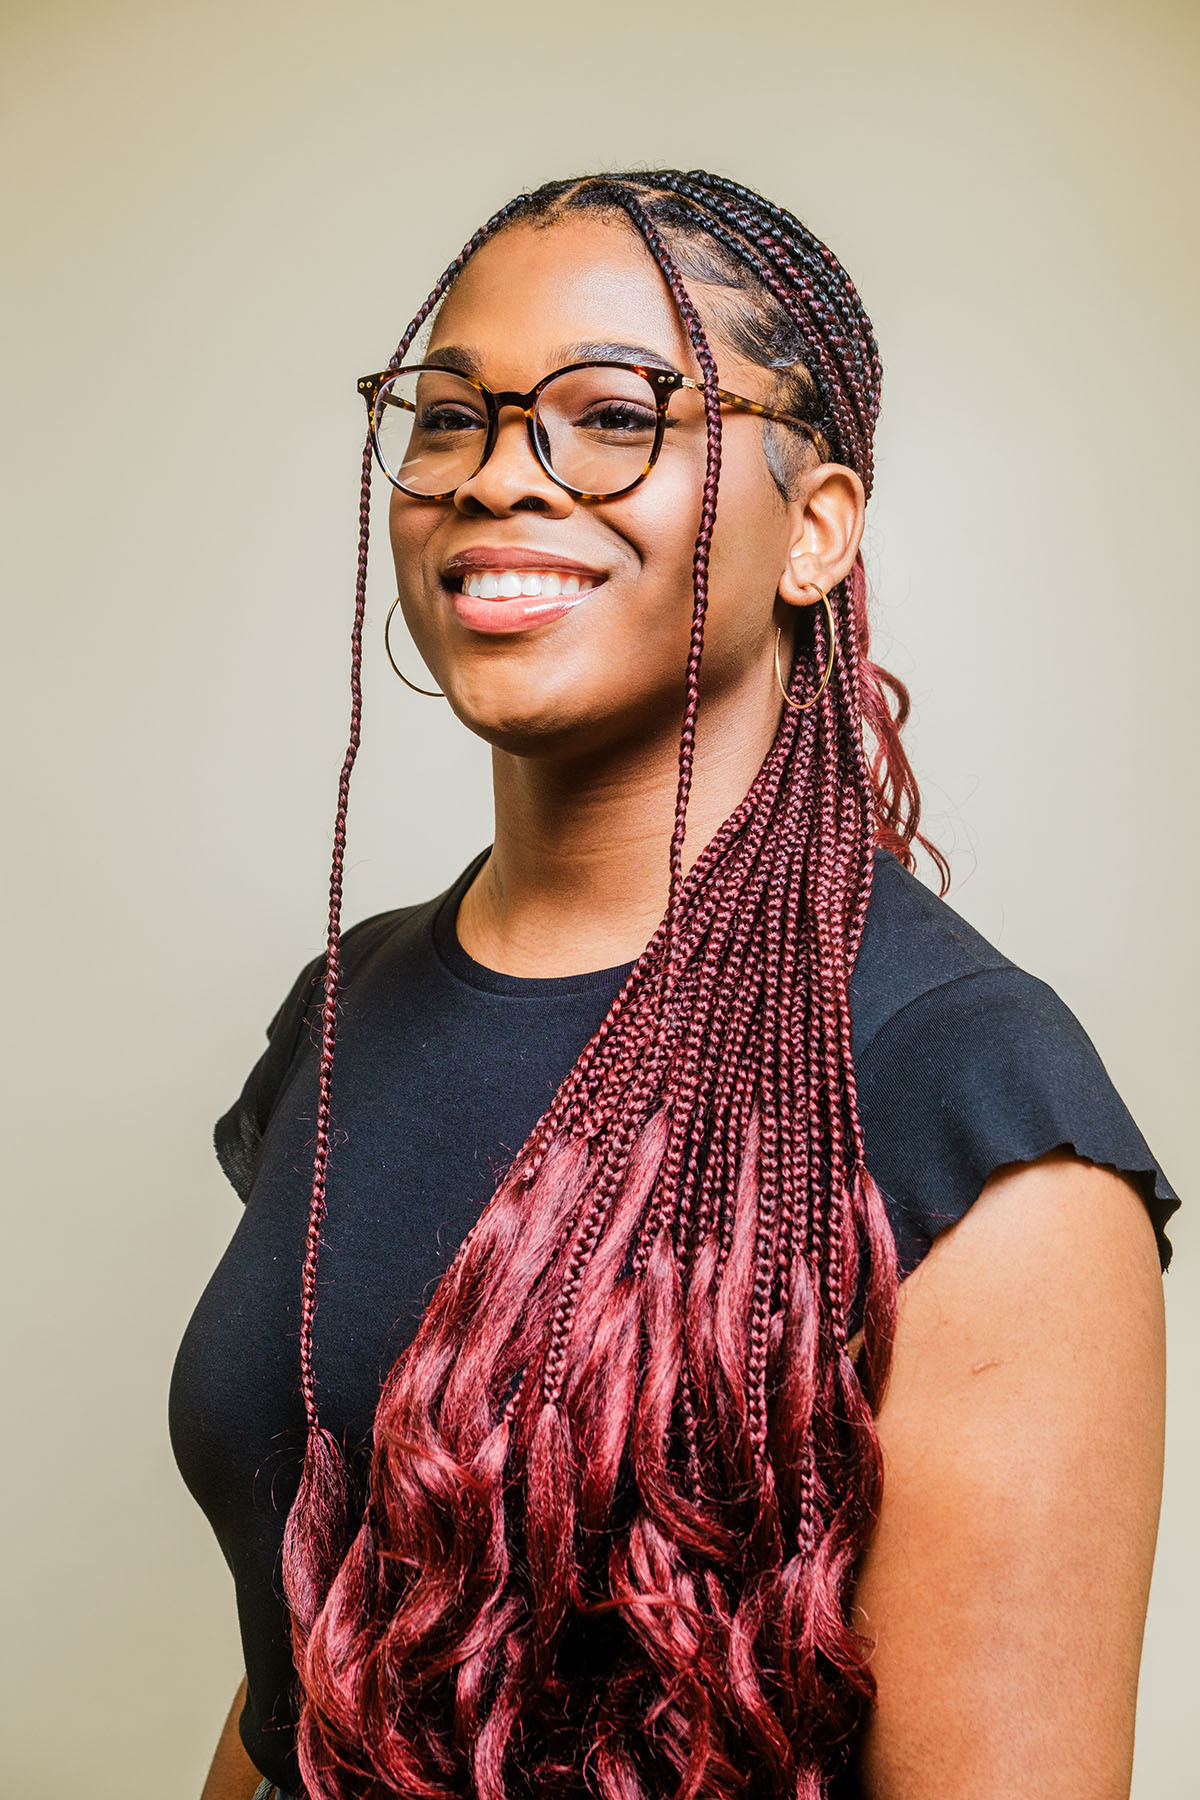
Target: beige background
[(218, 216)]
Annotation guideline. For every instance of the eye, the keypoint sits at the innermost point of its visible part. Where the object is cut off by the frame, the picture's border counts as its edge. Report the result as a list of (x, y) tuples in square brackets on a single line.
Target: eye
[(444, 417), (617, 418)]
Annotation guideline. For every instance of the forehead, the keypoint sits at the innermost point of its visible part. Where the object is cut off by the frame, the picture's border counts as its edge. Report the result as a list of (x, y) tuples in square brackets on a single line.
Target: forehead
[(534, 292)]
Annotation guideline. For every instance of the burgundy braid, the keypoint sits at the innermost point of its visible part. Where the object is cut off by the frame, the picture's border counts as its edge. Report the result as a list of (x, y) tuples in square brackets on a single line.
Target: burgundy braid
[(333, 958), (708, 518), (621, 1477), (323, 1482)]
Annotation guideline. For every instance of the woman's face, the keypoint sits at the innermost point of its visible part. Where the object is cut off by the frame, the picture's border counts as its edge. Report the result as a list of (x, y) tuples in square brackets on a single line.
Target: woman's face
[(610, 671)]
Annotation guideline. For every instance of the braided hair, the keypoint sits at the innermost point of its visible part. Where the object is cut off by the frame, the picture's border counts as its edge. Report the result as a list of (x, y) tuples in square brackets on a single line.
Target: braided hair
[(620, 1479)]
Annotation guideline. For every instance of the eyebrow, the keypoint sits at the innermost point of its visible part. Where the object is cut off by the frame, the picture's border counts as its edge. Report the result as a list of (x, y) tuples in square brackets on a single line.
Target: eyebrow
[(638, 353), (465, 362), (454, 356)]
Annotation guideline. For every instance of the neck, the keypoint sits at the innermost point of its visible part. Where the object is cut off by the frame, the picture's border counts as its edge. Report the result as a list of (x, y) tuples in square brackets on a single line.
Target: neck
[(578, 875)]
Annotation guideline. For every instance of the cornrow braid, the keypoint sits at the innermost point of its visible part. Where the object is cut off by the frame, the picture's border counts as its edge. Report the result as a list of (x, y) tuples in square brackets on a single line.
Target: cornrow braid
[(788, 226), (621, 1476), (790, 270)]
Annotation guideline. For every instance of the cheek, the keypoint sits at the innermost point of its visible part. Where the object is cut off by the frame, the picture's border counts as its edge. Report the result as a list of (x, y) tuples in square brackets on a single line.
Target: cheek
[(650, 620), (749, 546), (661, 518), (410, 527)]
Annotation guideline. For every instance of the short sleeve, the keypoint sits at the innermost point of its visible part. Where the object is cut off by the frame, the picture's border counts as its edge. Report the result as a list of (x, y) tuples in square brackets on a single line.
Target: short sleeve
[(238, 1133), (988, 1068)]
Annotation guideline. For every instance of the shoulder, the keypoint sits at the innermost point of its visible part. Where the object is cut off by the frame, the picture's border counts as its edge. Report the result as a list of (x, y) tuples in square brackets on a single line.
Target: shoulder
[(964, 1062), (913, 943), (296, 1025), (359, 944)]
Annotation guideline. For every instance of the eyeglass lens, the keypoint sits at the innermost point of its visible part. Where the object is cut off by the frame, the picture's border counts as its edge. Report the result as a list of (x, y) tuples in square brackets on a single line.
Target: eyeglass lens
[(595, 428)]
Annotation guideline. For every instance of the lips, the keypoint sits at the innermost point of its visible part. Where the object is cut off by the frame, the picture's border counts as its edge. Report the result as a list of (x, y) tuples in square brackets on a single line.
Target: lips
[(497, 589)]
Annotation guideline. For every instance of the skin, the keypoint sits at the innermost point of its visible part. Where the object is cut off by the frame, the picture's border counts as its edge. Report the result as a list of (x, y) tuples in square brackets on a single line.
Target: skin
[(231, 1775), (1005, 1585)]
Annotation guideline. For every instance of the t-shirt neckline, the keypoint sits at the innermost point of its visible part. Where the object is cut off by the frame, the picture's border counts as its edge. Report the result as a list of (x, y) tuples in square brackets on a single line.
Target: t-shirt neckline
[(464, 968)]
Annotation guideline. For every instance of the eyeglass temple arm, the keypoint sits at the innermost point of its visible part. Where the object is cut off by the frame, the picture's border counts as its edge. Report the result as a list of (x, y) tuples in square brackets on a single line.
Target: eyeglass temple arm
[(741, 404)]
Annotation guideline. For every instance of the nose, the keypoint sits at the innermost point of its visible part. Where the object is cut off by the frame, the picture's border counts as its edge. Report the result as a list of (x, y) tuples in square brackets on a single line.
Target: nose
[(512, 479)]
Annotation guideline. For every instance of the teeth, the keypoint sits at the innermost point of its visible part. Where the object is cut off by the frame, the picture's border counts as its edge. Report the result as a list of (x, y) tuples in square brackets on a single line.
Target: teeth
[(529, 584)]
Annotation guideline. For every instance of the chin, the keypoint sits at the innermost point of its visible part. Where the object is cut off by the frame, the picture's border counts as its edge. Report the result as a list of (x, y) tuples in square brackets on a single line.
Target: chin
[(534, 733), (539, 725)]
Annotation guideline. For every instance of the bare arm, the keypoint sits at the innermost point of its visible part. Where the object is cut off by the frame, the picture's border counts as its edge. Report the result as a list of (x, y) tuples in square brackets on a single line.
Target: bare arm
[(232, 1775), (1007, 1579)]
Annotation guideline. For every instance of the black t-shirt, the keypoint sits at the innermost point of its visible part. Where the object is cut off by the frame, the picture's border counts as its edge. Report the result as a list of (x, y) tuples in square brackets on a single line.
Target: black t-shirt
[(963, 1061)]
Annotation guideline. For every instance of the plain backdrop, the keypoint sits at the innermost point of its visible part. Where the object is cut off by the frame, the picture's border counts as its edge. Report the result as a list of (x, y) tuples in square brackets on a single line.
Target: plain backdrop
[(216, 217)]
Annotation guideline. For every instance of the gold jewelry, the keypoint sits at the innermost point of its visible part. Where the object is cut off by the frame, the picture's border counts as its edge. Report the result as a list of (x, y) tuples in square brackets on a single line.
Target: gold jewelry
[(803, 706), (433, 693)]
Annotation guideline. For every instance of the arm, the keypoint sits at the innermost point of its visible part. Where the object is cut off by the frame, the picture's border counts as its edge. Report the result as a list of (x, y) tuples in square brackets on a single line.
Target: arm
[(232, 1775), (1007, 1579)]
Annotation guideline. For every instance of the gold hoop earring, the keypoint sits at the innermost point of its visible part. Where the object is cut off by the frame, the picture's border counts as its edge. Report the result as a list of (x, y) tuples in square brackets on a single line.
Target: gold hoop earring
[(803, 705), (433, 693)]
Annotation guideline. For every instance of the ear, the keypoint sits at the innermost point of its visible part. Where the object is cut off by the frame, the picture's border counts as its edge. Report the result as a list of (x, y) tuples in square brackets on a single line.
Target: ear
[(827, 527)]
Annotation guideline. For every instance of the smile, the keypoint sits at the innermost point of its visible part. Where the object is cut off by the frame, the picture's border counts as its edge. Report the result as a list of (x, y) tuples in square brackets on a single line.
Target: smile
[(527, 584)]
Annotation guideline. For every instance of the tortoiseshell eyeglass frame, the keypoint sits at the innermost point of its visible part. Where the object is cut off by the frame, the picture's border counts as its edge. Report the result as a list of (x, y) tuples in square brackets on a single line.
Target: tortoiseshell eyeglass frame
[(664, 382)]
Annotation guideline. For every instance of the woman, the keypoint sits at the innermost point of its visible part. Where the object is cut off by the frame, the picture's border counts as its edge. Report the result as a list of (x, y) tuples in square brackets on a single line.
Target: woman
[(614, 1457)]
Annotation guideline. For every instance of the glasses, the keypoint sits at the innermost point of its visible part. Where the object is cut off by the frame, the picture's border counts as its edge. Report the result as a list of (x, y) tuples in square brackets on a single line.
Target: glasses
[(596, 428)]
